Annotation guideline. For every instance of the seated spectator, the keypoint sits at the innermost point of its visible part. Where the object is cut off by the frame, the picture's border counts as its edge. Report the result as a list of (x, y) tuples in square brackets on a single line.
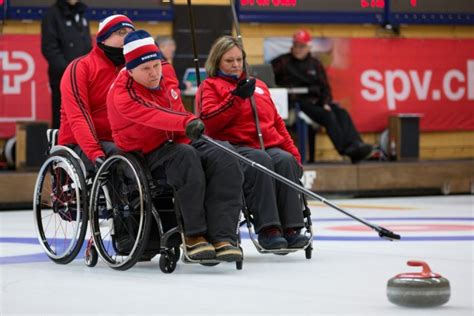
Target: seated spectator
[(147, 115), (167, 47), (299, 69), (223, 100)]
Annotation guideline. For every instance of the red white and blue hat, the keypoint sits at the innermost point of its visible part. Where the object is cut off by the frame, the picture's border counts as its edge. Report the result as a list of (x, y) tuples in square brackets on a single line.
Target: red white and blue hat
[(111, 24), (139, 47)]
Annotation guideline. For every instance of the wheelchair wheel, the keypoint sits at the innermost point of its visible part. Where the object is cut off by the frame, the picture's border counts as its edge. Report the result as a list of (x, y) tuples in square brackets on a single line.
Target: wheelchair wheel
[(60, 207), (308, 252), (168, 261), (91, 257), (120, 211)]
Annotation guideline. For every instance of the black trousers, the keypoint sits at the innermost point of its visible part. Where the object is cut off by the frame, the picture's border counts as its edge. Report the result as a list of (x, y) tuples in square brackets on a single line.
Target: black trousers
[(271, 202), (338, 124), (109, 148), (207, 184)]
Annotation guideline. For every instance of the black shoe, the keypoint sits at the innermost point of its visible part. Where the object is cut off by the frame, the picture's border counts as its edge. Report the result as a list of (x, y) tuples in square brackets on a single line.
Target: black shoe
[(198, 248), (295, 239), (271, 238), (225, 251), (359, 152)]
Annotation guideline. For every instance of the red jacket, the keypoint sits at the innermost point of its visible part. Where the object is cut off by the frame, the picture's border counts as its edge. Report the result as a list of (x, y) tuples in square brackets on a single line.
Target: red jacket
[(144, 119), (228, 117), (84, 88)]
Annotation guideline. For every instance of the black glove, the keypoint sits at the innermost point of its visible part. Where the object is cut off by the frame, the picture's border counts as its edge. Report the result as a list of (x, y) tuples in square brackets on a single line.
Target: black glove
[(194, 129), (245, 88), (99, 161)]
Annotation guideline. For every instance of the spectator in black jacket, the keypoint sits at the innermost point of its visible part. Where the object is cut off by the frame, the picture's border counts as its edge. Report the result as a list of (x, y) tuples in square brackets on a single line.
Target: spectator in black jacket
[(65, 35), (299, 69)]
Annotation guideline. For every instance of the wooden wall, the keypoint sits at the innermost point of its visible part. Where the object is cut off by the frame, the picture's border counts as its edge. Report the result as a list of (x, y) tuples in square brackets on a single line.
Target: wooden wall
[(433, 145)]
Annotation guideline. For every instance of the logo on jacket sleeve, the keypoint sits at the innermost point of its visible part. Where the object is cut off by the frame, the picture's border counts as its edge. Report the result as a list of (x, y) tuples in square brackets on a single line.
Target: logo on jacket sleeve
[(174, 94)]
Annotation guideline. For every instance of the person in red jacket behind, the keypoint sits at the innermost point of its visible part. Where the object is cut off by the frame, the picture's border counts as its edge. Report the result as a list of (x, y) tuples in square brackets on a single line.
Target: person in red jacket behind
[(84, 86), (224, 105), (147, 115)]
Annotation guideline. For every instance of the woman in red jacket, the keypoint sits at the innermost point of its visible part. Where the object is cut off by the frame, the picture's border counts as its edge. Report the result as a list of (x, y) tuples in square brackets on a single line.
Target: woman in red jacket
[(223, 100)]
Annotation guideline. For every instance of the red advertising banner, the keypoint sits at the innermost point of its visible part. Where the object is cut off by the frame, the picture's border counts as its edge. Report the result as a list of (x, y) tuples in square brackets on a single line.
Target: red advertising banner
[(24, 88), (374, 78)]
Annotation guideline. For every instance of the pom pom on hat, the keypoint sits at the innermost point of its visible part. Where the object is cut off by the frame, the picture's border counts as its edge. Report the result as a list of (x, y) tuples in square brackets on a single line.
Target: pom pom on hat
[(111, 24), (139, 47), (302, 36)]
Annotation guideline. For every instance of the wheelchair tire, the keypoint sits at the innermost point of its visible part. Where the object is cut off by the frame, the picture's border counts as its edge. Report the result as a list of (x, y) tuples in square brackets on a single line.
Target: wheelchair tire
[(60, 207), (308, 252), (167, 261), (120, 211)]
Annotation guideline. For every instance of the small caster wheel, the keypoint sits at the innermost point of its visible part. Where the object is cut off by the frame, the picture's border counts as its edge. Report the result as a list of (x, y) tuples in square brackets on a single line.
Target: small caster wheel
[(167, 262), (91, 257), (238, 265), (308, 252)]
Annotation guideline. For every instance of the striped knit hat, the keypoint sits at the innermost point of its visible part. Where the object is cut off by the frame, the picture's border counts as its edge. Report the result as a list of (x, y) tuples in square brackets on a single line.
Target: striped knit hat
[(111, 24), (139, 47)]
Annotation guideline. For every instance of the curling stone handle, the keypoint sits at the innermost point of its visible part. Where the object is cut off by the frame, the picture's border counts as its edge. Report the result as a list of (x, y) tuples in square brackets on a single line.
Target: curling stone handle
[(426, 268)]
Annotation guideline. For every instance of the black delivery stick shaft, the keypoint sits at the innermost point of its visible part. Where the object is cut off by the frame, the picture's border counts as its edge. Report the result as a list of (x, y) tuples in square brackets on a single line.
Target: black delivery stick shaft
[(193, 38), (383, 232)]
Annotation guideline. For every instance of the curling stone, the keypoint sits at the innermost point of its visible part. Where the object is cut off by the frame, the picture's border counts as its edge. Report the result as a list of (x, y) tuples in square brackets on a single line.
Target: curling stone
[(423, 289)]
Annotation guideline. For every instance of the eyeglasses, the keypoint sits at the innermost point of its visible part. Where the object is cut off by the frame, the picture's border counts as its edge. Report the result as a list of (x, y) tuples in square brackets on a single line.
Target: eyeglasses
[(122, 32)]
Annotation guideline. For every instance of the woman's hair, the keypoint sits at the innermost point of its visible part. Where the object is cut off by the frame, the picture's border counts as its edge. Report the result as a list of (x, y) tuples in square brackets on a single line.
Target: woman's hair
[(221, 46)]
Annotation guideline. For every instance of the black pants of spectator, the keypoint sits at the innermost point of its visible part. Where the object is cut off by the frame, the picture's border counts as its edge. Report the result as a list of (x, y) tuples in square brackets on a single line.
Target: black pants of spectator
[(55, 104), (271, 202), (338, 124), (207, 184)]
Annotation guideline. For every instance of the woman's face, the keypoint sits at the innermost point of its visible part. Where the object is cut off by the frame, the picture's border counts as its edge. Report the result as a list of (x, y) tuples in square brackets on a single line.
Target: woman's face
[(232, 62)]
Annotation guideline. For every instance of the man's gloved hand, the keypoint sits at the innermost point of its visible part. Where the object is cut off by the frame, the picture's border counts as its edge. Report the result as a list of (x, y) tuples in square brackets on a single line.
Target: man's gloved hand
[(245, 88), (194, 129)]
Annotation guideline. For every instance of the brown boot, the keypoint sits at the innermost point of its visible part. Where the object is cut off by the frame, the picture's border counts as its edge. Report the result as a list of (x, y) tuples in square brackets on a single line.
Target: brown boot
[(225, 251), (198, 248)]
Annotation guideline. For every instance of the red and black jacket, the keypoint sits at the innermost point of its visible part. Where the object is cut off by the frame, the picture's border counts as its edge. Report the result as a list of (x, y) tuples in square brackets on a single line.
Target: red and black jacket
[(144, 119), (84, 88), (230, 118)]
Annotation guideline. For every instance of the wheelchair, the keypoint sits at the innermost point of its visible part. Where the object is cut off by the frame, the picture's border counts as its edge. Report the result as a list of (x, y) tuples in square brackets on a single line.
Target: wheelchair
[(134, 217), (60, 202), (248, 220)]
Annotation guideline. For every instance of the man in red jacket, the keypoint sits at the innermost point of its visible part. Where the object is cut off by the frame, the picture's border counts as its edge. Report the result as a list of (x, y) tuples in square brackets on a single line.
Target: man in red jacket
[(147, 115), (84, 86)]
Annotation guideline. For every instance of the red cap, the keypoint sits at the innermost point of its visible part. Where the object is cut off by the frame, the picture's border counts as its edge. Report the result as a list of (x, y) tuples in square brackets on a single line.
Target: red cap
[(302, 36)]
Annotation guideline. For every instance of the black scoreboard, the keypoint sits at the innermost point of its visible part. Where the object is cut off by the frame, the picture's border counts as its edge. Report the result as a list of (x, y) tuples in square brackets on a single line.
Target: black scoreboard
[(432, 11), (149, 10), (311, 11), (357, 11)]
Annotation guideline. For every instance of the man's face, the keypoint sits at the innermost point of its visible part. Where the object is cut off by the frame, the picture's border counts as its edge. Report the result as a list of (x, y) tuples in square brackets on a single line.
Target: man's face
[(116, 38), (232, 62), (147, 74), (300, 50)]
